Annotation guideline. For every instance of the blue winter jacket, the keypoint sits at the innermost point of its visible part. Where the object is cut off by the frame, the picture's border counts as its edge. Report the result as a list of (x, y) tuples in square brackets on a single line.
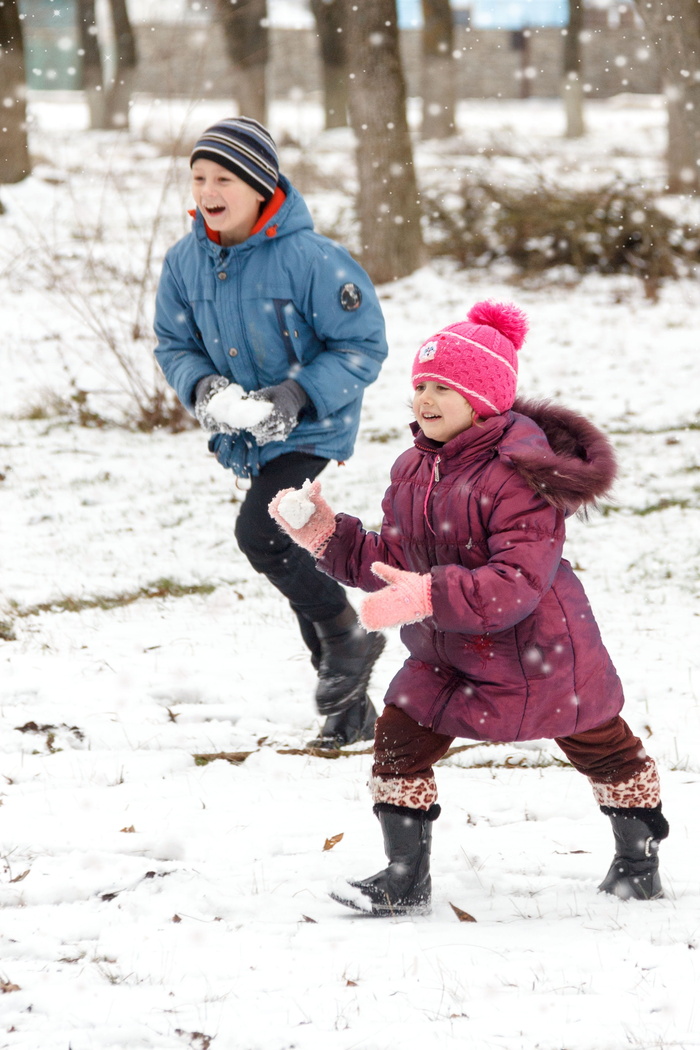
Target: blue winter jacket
[(286, 303)]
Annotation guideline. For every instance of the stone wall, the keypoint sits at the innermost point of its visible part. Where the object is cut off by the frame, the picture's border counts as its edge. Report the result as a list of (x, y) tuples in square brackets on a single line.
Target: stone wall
[(191, 63)]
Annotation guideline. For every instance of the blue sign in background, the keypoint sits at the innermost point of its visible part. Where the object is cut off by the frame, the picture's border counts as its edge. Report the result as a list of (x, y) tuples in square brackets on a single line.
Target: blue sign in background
[(496, 14)]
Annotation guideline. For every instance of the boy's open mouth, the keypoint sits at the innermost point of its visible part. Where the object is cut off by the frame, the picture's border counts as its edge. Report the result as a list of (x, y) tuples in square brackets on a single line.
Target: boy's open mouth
[(216, 210)]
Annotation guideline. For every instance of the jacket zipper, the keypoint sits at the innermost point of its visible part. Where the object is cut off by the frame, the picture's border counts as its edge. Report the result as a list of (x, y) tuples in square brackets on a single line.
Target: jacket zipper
[(434, 478)]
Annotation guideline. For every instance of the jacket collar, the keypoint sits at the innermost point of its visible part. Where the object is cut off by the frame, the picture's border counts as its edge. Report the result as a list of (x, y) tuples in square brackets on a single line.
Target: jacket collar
[(268, 213), (478, 442)]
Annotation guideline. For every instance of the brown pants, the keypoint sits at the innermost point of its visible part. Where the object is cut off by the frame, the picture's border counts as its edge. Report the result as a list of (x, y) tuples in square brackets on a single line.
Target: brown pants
[(609, 754)]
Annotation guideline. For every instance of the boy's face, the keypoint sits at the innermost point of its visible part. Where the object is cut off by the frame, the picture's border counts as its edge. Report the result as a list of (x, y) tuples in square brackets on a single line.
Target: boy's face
[(230, 206), (440, 411)]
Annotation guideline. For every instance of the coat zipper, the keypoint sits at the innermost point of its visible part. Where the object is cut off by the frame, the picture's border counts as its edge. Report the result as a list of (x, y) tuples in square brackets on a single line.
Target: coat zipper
[(434, 478)]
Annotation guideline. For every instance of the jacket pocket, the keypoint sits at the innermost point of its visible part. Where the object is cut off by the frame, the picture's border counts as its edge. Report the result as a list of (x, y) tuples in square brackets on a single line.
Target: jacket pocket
[(542, 651), (298, 337), (284, 312)]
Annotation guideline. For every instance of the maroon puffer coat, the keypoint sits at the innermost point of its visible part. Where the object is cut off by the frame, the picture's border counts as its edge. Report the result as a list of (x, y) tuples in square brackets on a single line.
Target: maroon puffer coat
[(512, 651)]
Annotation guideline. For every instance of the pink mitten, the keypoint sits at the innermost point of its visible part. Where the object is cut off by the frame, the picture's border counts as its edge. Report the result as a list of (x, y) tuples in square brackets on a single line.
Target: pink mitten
[(405, 600), (305, 516)]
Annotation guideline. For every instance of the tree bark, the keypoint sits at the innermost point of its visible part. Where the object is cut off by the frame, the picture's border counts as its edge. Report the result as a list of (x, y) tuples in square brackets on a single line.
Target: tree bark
[(572, 86), (387, 205), (330, 18), (91, 75), (674, 29), (15, 163), (244, 23), (118, 93), (438, 75)]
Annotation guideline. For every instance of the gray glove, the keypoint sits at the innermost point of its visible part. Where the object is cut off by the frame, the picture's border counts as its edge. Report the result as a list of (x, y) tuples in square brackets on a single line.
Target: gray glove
[(287, 399), (203, 393)]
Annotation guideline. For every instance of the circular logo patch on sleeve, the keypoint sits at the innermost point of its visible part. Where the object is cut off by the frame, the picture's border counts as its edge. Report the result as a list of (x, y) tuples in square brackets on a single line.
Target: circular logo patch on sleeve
[(350, 296)]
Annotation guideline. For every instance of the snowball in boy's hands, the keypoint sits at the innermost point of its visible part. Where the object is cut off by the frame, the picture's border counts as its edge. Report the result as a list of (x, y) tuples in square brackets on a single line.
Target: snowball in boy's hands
[(295, 506), (286, 400), (233, 407), (207, 388), (313, 535), (406, 599)]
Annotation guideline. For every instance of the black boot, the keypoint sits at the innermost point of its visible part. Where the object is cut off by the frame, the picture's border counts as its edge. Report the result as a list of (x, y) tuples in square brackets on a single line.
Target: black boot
[(403, 888), (634, 872), (353, 724), (348, 654)]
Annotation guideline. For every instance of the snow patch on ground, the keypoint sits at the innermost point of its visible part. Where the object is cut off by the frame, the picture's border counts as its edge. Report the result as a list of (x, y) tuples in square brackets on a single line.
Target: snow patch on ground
[(156, 897)]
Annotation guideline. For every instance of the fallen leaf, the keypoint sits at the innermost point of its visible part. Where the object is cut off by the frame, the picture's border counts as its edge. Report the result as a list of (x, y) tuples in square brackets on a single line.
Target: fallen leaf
[(129, 831), (463, 916), (6, 986), (330, 843), (306, 918), (18, 878)]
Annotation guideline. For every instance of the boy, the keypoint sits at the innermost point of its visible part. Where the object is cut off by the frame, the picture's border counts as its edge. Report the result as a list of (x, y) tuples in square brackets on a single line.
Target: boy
[(269, 333)]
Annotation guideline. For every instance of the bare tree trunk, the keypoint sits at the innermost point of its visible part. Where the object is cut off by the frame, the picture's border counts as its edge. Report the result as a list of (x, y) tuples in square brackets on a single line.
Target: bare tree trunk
[(247, 44), (118, 94), (330, 23), (572, 86), (438, 79), (674, 28), (387, 204), (91, 81), (520, 42), (15, 163)]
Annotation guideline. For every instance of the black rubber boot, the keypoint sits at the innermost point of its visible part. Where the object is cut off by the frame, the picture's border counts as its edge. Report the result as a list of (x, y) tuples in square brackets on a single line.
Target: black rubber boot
[(353, 724), (348, 654), (634, 872), (404, 887)]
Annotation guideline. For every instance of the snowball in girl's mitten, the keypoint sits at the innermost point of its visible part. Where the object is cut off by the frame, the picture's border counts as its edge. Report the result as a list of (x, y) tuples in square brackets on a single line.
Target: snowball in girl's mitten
[(295, 507), (316, 528), (233, 406)]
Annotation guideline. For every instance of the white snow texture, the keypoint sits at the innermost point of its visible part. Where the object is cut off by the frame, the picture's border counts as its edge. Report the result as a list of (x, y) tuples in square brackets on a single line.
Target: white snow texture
[(233, 406), (296, 508), (166, 843)]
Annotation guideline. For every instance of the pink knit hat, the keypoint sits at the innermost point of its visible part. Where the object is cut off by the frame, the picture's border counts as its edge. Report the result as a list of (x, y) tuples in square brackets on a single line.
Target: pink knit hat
[(478, 357)]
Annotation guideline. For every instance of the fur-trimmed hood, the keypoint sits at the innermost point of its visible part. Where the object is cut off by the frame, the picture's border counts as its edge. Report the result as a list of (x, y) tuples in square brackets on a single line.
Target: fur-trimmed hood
[(574, 467)]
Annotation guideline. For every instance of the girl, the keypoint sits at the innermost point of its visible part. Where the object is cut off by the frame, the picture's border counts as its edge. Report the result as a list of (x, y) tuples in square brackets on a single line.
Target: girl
[(502, 642)]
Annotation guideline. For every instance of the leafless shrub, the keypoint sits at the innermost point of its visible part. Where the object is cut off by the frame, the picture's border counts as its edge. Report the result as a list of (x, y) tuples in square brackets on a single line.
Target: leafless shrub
[(615, 228)]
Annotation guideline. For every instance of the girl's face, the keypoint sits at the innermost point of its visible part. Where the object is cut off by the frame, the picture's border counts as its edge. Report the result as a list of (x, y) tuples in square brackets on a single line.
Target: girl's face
[(230, 206), (440, 411)]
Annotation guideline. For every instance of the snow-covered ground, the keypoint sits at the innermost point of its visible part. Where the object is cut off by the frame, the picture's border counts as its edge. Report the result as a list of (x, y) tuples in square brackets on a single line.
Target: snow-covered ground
[(152, 901)]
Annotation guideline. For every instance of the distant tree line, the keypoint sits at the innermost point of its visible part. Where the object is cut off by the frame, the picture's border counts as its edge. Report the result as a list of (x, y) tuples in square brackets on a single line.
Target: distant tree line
[(363, 85)]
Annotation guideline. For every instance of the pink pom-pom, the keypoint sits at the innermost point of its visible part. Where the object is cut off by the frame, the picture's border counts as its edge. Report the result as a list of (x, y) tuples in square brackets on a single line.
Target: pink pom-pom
[(506, 318)]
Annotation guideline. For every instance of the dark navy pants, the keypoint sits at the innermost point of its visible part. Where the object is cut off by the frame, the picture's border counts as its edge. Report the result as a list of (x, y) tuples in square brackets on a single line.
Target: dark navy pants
[(312, 595)]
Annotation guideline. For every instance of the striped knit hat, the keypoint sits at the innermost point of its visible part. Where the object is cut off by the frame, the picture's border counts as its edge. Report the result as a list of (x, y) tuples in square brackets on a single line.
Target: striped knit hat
[(245, 148), (477, 357)]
